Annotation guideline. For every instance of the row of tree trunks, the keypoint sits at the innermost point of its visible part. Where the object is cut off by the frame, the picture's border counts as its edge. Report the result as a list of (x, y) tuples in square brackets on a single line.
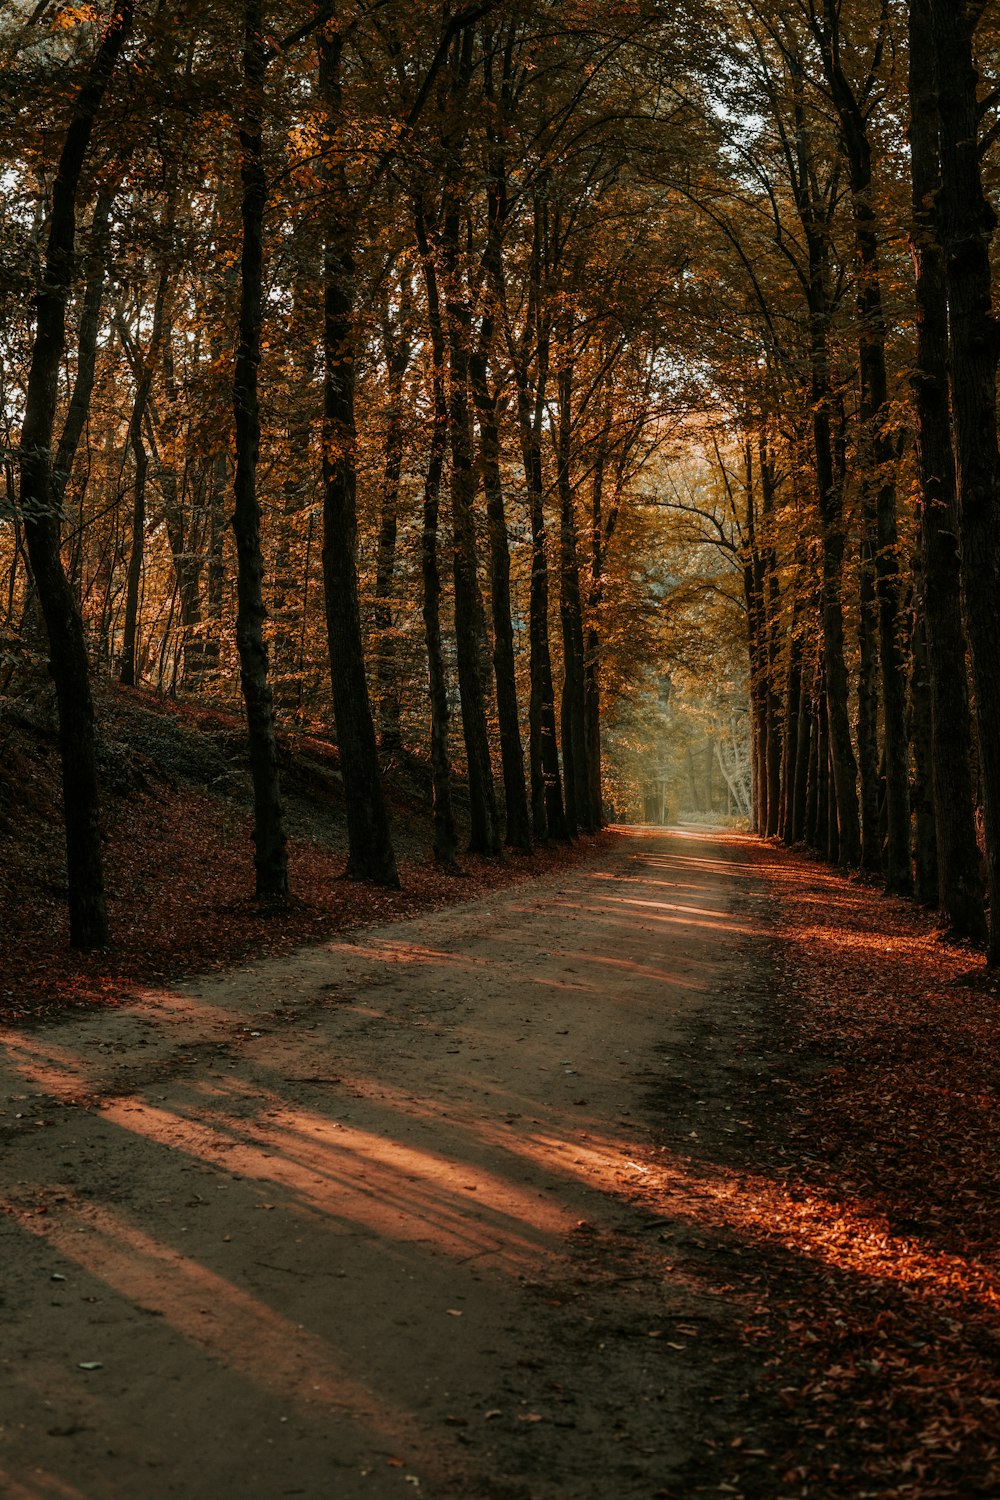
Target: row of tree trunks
[(917, 808)]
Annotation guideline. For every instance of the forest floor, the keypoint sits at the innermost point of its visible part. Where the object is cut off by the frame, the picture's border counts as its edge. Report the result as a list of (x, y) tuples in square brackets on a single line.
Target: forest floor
[(671, 1173)]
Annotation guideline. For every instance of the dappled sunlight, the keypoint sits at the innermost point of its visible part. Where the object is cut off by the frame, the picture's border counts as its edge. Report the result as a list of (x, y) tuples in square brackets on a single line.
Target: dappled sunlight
[(232, 1326), (673, 913), (353, 1177), (629, 968), (398, 951), (41, 1486), (60, 1072), (867, 943), (696, 887), (425, 1131), (840, 1234)]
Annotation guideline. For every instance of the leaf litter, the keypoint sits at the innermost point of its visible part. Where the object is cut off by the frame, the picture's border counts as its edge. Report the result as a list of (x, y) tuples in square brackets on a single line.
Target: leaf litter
[(862, 1205)]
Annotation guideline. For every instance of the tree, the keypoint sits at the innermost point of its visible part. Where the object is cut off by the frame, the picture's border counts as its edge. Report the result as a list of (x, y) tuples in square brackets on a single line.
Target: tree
[(40, 508)]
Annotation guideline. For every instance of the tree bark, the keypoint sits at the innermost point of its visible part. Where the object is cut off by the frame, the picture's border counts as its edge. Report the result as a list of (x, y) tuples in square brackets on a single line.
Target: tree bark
[(771, 600), (877, 468), (270, 844), (445, 833), (518, 819), (576, 770), (868, 756), (968, 222), (386, 655), (925, 864), (484, 834), (547, 809), (960, 884), (42, 513), (370, 851)]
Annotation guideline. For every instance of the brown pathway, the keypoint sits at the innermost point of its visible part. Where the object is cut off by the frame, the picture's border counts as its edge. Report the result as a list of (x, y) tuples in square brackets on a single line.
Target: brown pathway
[(375, 1219)]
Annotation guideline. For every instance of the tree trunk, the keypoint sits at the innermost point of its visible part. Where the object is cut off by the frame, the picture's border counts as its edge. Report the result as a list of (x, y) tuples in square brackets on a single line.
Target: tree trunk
[(270, 851), (128, 673), (868, 756), (599, 531), (810, 830), (960, 885), (838, 727), (41, 512), (925, 885), (800, 787), (771, 599), (142, 368), (547, 810), (877, 460), (86, 358), (484, 835), (445, 833), (576, 771), (518, 821), (370, 852), (386, 656)]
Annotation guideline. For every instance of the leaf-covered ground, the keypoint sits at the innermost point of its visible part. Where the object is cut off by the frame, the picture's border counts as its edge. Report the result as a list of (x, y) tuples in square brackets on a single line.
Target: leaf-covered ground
[(840, 1188), (859, 1217), (178, 857)]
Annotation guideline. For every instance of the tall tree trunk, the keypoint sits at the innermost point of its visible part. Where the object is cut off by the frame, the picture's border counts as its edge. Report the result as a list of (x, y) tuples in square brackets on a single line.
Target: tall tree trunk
[(484, 835), (826, 784), (968, 222), (64, 625), (370, 852), (800, 787), (877, 468), (790, 742), (771, 599), (925, 884), (547, 810), (445, 833), (601, 530), (868, 754), (960, 884), (810, 830), (814, 214), (576, 770), (518, 821), (215, 583), (386, 657), (142, 368), (128, 671), (547, 814), (86, 356), (270, 851), (754, 599), (837, 723)]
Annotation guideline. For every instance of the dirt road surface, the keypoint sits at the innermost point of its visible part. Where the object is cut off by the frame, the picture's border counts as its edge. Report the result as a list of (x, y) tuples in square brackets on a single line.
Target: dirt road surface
[(386, 1217)]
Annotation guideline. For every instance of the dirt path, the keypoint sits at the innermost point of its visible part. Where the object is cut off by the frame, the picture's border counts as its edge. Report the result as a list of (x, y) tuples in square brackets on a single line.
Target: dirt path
[(380, 1218)]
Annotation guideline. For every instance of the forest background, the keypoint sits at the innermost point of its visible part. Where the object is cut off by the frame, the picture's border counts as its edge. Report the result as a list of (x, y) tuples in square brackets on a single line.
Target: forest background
[(596, 401)]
